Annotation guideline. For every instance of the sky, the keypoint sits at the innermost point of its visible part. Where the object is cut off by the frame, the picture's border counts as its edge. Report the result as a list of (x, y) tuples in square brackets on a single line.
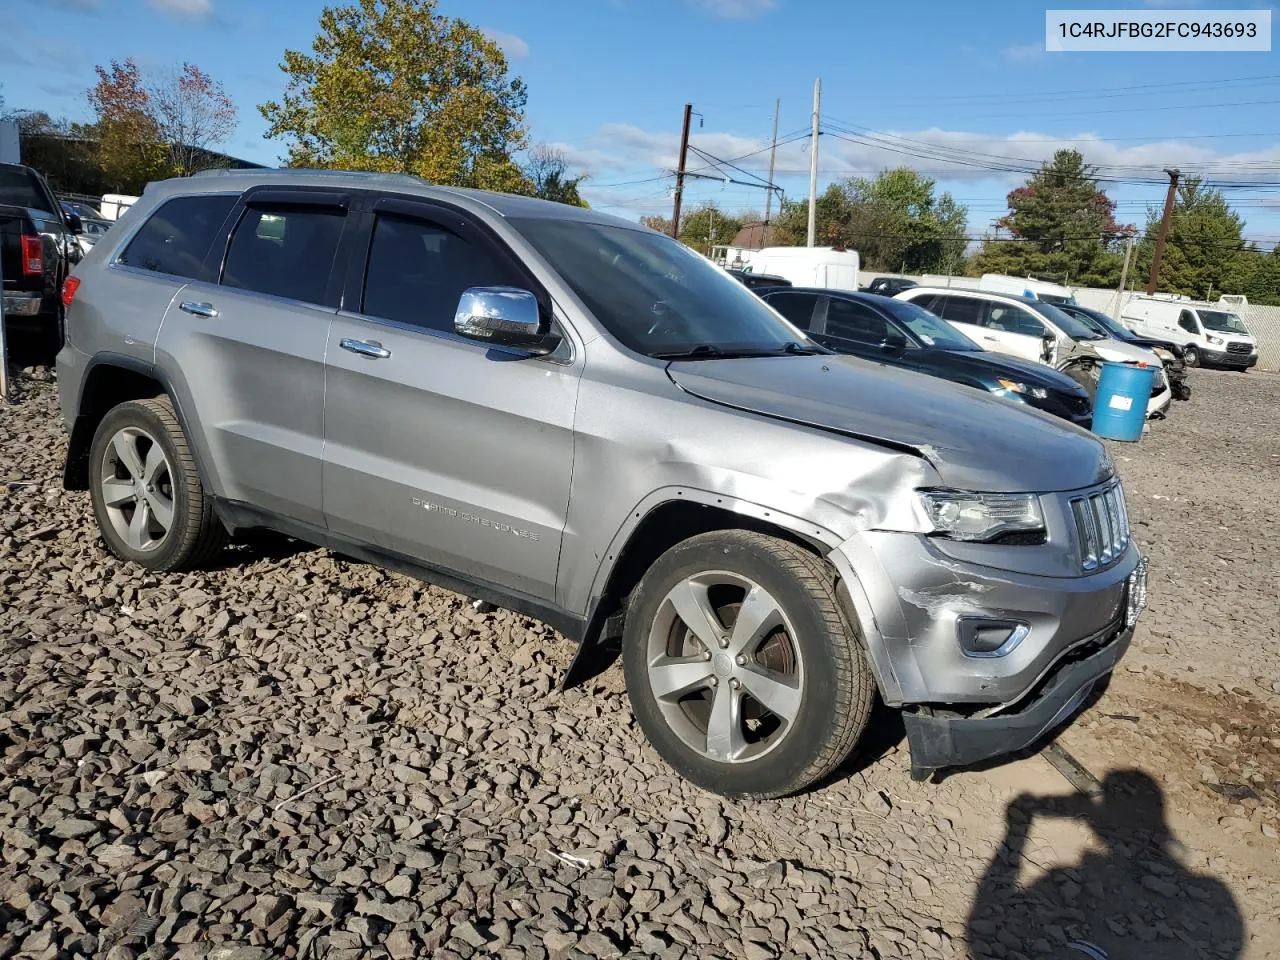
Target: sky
[(951, 89)]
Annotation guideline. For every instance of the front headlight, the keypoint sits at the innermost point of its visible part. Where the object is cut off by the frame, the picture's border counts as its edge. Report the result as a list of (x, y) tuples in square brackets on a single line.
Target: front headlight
[(1015, 386), (1212, 339), (983, 517)]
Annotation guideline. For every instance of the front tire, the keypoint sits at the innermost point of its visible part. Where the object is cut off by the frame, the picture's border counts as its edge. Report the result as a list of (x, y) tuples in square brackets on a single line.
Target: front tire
[(743, 670), (1191, 356), (147, 497)]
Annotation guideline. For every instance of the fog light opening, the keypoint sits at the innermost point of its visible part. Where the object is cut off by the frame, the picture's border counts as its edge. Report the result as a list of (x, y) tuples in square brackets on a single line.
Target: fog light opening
[(981, 637)]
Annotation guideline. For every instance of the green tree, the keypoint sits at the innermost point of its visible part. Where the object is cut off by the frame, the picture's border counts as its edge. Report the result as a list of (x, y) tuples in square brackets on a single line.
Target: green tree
[(1205, 254), (549, 177), (896, 221), (706, 225), (1063, 225), (393, 86)]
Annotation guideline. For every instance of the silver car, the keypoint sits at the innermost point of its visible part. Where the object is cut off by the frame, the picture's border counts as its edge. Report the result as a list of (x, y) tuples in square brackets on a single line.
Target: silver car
[(581, 420)]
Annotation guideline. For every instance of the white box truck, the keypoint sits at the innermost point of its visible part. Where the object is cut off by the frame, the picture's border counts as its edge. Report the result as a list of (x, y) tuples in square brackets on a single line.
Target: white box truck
[(825, 267), (1211, 334)]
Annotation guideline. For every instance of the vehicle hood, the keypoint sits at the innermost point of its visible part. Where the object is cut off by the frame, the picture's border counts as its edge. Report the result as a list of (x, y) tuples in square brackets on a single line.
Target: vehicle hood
[(1117, 351), (975, 441), (987, 364)]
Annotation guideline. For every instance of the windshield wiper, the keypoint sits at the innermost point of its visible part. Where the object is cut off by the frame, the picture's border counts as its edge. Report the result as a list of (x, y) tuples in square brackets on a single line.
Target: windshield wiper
[(709, 351)]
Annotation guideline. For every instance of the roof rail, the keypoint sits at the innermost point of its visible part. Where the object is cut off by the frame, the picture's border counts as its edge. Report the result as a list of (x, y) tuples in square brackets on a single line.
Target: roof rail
[(309, 172)]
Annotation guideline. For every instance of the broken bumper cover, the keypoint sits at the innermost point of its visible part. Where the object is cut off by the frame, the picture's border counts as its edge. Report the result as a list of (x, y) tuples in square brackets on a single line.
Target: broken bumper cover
[(940, 741)]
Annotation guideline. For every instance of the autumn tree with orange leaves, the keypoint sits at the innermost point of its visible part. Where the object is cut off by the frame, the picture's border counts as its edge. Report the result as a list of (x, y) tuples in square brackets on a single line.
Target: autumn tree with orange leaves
[(159, 126)]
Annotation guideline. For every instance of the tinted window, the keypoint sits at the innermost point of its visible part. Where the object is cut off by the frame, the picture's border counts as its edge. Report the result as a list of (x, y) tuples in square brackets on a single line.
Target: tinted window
[(1010, 319), (927, 301), (959, 309), (855, 321), (18, 188), (178, 235), (418, 272), (284, 252), (1187, 322), (796, 307), (653, 293)]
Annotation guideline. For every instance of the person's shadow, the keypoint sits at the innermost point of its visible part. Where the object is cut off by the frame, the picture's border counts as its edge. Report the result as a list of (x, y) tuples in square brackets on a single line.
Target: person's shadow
[(1135, 901)]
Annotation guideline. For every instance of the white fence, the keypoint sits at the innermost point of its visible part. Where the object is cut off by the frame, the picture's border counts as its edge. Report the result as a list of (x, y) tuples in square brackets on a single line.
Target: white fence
[(1263, 322)]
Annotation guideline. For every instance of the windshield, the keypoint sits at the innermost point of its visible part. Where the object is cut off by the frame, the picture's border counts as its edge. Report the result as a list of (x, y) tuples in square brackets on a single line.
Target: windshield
[(1101, 322), (1221, 321), (1073, 327), (655, 294), (18, 189), (931, 329)]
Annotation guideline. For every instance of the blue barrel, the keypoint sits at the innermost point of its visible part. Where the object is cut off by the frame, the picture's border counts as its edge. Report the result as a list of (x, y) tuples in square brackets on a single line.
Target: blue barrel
[(1120, 404)]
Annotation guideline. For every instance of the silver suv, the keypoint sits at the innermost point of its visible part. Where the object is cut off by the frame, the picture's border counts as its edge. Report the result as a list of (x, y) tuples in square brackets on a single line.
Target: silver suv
[(584, 421)]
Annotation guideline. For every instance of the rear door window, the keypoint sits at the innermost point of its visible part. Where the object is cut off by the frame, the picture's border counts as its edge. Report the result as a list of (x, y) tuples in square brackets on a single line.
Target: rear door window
[(176, 238), (960, 309), (284, 251), (796, 307)]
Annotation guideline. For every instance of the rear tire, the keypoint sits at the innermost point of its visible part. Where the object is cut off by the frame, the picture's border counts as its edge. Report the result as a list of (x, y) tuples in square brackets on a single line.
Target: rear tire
[(147, 497), (757, 707)]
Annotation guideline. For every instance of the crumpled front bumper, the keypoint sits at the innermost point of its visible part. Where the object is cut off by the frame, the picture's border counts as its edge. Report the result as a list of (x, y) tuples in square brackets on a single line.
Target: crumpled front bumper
[(939, 740), (962, 706)]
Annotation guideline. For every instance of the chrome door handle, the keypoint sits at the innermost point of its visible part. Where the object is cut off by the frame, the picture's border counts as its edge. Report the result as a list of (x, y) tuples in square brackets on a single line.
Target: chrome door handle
[(205, 310), (366, 348), (992, 339)]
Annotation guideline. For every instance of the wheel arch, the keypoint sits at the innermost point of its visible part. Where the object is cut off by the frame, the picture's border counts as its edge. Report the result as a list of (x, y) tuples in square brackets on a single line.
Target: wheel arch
[(110, 380), (653, 526)]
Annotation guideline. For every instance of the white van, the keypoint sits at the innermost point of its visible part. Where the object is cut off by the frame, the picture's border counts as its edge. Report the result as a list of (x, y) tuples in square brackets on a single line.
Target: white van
[(824, 267), (1037, 330), (114, 205), (1026, 287), (1210, 334)]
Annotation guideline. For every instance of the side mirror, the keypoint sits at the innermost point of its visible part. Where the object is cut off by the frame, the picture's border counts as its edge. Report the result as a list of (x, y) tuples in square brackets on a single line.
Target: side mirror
[(504, 317), (74, 223), (1049, 344), (893, 344)]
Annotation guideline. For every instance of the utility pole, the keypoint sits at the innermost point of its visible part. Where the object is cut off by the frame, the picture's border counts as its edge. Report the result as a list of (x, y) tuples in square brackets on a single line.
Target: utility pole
[(813, 160), (773, 155), (711, 234), (1158, 255), (1129, 244), (684, 155)]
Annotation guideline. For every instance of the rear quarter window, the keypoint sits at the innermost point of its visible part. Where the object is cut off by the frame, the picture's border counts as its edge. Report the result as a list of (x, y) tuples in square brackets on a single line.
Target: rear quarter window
[(176, 238)]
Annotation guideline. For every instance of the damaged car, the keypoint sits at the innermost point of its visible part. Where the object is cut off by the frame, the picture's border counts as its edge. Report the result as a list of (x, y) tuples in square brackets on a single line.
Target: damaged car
[(1038, 330), (1171, 354), (582, 420)]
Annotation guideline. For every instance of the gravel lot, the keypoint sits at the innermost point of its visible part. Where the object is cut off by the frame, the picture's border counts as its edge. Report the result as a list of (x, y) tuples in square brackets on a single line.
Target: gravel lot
[(295, 755)]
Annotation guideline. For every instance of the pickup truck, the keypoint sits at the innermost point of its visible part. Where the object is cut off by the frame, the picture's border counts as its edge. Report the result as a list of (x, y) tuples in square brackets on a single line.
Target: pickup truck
[(38, 248)]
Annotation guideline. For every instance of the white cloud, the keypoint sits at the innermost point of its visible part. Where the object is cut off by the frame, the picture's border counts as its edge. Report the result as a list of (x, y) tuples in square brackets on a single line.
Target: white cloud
[(1022, 52), (192, 9), (513, 46), (735, 9)]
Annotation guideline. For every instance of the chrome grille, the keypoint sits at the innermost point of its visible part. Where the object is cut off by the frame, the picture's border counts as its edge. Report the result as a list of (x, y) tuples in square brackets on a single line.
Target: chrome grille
[(1102, 526)]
